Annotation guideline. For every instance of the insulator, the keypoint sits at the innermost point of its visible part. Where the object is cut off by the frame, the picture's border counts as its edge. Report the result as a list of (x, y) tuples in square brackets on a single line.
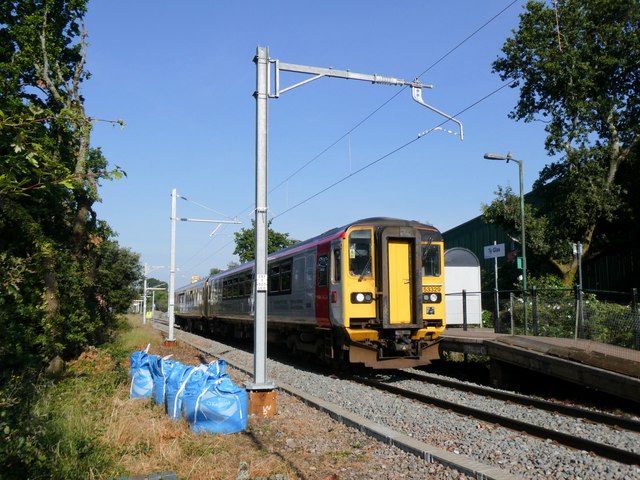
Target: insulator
[(386, 80)]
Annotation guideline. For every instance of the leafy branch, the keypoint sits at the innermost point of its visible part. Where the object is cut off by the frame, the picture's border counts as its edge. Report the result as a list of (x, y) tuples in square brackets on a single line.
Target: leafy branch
[(67, 182)]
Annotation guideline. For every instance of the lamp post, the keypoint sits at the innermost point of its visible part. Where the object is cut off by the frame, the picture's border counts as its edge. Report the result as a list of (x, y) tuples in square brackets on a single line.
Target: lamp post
[(508, 157), (579, 333)]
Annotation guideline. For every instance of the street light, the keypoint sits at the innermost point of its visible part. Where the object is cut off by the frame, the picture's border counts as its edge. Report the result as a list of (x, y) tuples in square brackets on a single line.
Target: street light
[(579, 333), (508, 157)]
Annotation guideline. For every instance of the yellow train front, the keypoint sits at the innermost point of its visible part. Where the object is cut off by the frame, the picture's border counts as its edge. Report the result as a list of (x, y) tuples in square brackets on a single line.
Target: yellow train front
[(386, 292), (370, 292)]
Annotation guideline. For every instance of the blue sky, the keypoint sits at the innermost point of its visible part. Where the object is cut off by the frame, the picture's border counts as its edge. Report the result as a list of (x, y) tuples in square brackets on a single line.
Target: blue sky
[(181, 75)]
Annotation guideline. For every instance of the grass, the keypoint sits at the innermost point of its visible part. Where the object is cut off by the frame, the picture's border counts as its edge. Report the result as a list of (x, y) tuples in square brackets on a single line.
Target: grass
[(84, 426)]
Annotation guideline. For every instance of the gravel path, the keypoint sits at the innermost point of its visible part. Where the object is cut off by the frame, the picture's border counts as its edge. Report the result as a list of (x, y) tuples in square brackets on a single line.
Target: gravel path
[(516, 454)]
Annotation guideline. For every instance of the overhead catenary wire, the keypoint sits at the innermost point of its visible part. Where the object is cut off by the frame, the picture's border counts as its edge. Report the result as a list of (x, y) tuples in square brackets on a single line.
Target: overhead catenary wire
[(186, 265), (394, 96), (205, 207), (392, 152)]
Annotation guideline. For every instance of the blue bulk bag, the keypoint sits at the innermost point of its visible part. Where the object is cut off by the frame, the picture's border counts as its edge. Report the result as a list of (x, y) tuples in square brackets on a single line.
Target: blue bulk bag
[(192, 388), (160, 368), (217, 368), (176, 383), (221, 408), (141, 381)]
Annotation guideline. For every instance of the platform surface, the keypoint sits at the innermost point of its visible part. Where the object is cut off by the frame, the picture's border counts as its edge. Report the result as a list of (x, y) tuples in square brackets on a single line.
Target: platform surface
[(609, 368)]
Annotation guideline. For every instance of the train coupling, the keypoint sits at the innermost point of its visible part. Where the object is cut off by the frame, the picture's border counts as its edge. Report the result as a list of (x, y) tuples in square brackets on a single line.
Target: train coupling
[(401, 343)]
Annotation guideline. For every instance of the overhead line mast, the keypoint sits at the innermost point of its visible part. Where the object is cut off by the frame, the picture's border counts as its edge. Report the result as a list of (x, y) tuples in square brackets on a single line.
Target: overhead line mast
[(262, 94)]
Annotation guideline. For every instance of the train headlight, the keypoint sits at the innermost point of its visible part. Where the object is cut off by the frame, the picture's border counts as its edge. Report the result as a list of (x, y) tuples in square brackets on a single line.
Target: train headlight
[(361, 297), (431, 297)]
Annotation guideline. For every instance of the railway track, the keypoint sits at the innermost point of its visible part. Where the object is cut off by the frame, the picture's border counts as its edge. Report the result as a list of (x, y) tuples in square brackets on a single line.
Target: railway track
[(572, 441), (526, 401)]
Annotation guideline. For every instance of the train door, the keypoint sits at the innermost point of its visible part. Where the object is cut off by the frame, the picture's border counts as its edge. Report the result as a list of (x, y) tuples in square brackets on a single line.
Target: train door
[(205, 300), (322, 285), (336, 300), (399, 253)]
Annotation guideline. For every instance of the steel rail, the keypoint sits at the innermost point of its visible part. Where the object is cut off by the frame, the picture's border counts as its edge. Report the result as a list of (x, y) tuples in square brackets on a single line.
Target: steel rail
[(572, 411), (606, 451)]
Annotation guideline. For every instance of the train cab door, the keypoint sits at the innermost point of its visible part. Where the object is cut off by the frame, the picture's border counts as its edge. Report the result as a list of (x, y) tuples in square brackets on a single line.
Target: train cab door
[(400, 268), (401, 285), (336, 301)]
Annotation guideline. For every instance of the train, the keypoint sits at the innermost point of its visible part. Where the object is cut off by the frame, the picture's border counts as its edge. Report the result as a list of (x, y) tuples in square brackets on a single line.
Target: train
[(368, 293)]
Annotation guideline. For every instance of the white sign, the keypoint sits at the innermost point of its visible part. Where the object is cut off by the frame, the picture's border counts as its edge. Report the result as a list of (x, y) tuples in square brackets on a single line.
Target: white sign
[(262, 282), (494, 251)]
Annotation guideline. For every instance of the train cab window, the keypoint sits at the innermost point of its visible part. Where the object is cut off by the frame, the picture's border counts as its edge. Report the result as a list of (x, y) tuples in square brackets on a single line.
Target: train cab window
[(323, 263), (337, 265), (360, 253), (430, 260)]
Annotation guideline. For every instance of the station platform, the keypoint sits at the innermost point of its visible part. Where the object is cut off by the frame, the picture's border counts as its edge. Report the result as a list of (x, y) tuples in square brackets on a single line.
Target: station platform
[(606, 368)]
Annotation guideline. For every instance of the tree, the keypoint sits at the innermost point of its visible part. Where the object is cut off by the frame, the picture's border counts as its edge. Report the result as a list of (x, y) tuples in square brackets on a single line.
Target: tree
[(246, 242), (118, 272), (51, 242), (579, 73)]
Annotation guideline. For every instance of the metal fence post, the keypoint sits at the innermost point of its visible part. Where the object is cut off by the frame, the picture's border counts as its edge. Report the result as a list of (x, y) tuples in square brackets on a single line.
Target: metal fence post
[(581, 307), (496, 312), (534, 310), (636, 321), (464, 310), (577, 333), (513, 329)]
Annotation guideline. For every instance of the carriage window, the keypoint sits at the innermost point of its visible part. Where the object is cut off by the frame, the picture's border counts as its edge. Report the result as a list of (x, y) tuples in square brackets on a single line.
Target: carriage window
[(360, 253), (298, 274), (322, 270), (337, 265), (430, 260), (274, 279), (285, 278), (310, 273), (248, 285)]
